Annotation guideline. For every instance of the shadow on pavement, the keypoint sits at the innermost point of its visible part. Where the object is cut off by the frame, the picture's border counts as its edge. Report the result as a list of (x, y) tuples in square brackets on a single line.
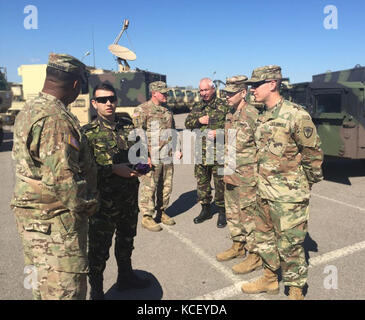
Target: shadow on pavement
[(153, 292), (184, 203), (340, 170)]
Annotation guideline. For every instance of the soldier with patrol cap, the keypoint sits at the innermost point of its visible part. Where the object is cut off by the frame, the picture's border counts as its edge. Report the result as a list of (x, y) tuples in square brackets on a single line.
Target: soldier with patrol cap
[(208, 114), (55, 188), (289, 163), (240, 176), (156, 186)]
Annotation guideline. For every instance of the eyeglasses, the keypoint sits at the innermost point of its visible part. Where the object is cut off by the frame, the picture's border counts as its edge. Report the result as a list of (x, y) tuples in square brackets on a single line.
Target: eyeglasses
[(105, 99)]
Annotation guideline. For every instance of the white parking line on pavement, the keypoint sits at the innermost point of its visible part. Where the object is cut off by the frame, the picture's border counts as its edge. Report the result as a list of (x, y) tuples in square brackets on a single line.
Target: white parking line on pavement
[(235, 289), (219, 294), (337, 201)]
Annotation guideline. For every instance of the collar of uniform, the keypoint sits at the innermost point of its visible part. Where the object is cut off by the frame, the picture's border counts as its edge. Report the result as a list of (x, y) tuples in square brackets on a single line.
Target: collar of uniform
[(161, 108), (53, 98), (106, 123), (210, 102), (274, 112)]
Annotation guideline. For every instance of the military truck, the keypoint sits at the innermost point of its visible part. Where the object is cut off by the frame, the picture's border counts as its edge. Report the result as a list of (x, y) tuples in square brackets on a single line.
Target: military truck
[(175, 99), (132, 86), (5, 99), (336, 102), (189, 99)]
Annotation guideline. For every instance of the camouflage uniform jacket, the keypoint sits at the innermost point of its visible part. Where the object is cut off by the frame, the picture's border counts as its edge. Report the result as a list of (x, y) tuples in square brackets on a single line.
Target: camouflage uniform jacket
[(109, 141), (146, 116), (243, 122), (54, 166), (216, 109), (289, 153)]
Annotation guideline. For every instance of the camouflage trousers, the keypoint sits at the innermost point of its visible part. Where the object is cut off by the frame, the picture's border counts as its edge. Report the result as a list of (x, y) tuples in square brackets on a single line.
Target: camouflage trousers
[(156, 188), (114, 217), (55, 254), (240, 204), (280, 232), (203, 174)]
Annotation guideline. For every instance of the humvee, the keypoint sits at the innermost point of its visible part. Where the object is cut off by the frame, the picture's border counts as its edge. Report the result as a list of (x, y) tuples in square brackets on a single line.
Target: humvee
[(336, 103)]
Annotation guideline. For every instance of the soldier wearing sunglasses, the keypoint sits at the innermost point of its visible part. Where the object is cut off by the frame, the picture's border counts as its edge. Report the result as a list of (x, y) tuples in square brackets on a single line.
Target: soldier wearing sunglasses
[(289, 163), (118, 185)]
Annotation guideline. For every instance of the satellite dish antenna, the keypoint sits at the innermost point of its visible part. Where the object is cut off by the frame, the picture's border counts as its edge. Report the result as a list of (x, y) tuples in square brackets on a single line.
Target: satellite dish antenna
[(122, 53)]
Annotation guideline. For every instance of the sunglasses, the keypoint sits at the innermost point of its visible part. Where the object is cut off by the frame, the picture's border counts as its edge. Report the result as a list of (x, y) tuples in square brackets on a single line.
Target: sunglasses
[(257, 84), (105, 99)]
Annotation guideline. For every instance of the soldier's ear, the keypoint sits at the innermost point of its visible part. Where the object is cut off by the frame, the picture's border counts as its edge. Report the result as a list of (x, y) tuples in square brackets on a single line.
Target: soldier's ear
[(93, 102)]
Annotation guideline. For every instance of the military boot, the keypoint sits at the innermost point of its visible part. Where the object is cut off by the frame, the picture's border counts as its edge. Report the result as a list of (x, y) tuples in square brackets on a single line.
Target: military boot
[(237, 250), (127, 279), (296, 293), (150, 224), (267, 283), (96, 287), (222, 221), (251, 263), (205, 214), (161, 216)]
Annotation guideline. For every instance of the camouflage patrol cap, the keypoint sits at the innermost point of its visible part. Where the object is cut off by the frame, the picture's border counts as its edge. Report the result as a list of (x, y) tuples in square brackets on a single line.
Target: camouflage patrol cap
[(159, 86), (235, 84), (67, 63), (271, 72)]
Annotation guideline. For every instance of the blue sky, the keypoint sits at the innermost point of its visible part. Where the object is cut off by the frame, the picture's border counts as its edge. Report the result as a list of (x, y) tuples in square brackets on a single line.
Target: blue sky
[(187, 39)]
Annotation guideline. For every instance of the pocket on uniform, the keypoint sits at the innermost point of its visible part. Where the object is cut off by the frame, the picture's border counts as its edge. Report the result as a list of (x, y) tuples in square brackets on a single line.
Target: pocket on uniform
[(293, 215), (41, 227), (279, 142)]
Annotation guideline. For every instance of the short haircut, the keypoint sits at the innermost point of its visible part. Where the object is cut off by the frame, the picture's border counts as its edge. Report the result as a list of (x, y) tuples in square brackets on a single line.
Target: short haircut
[(210, 82), (104, 86), (61, 77)]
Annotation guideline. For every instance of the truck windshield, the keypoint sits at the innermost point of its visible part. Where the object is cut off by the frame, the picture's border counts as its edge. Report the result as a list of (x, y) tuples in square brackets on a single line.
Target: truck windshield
[(328, 103)]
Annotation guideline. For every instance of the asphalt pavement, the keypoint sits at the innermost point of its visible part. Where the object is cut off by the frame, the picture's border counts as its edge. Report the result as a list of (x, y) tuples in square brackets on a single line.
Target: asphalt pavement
[(180, 260)]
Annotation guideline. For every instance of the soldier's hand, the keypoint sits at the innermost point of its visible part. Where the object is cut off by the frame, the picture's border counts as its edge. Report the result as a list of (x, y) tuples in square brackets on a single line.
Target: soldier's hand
[(124, 171), (204, 119), (178, 155)]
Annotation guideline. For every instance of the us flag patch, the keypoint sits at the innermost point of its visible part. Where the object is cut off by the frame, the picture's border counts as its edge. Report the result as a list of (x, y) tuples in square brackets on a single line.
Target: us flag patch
[(73, 142)]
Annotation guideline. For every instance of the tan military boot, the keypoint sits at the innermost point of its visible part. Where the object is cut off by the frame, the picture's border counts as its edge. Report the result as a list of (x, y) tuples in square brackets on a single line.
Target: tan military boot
[(295, 293), (165, 219), (267, 283), (150, 224), (251, 263), (237, 250)]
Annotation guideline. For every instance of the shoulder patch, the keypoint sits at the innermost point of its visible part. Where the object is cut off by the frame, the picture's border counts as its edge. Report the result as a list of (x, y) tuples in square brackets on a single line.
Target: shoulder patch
[(72, 141)]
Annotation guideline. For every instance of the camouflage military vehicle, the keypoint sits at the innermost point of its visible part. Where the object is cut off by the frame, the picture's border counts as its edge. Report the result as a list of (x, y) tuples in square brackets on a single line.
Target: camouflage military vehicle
[(132, 88), (189, 99), (5, 99), (336, 102), (175, 99)]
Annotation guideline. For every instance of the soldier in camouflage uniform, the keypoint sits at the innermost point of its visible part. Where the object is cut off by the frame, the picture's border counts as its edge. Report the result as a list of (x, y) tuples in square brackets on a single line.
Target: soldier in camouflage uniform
[(55, 188), (208, 114), (152, 117), (240, 185), (289, 163), (118, 185)]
